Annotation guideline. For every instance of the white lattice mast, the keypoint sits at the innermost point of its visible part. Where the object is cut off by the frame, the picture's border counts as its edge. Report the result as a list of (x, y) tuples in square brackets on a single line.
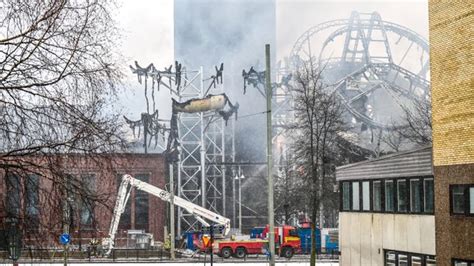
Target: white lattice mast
[(202, 151), (282, 113)]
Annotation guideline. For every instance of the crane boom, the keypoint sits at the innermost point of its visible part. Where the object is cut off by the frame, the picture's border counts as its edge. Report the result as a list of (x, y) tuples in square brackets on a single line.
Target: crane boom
[(124, 193)]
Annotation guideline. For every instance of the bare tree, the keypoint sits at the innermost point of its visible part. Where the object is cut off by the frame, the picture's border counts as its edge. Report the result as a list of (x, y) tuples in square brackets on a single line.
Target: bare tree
[(319, 119), (58, 79), (418, 121), (414, 127)]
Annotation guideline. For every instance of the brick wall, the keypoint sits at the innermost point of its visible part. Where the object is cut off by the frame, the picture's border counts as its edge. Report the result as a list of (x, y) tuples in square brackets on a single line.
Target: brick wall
[(452, 81), (106, 171), (452, 85)]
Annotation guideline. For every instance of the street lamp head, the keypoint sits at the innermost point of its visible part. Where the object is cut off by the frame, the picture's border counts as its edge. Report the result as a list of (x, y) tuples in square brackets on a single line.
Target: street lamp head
[(236, 177), (242, 176)]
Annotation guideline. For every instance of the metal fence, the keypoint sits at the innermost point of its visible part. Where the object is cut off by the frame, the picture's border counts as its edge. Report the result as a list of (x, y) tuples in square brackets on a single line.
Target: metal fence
[(45, 255), (35, 255)]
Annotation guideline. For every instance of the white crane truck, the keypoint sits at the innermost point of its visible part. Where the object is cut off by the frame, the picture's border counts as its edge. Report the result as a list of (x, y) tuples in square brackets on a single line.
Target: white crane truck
[(129, 182)]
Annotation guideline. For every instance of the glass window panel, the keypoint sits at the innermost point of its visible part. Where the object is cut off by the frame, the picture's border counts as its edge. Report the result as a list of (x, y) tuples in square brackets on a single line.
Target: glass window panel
[(429, 195), (471, 200), (346, 194), (402, 260), (366, 195), (355, 196), (415, 195), (460, 263), (430, 261), (32, 201), (389, 194), (141, 205), (390, 258), (402, 195), (13, 196), (87, 204), (377, 195), (458, 199), (416, 260)]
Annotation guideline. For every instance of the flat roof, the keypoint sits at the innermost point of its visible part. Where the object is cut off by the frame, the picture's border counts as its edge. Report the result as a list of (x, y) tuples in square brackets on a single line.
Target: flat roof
[(417, 162)]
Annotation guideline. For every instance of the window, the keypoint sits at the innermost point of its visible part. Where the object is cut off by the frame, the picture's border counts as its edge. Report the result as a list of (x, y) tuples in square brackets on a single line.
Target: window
[(141, 205), (428, 195), (398, 195), (458, 199), (366, 196), (415, 195), (377, 195), (430, 261), (87, 204), (346, 196), (416, 260), (462, 199), (402, 195), (355, 196), (390, 258), (32, 201), (389, 196), (458, 262), (400, 258), (13, 196), (471, 200)]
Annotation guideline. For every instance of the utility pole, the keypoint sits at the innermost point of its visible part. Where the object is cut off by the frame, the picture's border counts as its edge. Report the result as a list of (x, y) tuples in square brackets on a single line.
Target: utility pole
[(268, 85), (172, 213), (240, 199)]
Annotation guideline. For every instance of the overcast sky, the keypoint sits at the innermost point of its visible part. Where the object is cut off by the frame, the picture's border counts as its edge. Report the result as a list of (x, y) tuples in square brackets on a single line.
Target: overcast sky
[(148, 31)]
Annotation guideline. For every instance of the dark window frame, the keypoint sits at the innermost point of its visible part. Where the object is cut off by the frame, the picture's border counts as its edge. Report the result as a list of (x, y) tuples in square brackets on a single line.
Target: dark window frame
[(383, 182), (466, 199)]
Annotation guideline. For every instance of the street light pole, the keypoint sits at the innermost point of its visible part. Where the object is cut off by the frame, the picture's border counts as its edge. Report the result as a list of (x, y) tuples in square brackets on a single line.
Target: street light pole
[(240, 176), (234, 221)]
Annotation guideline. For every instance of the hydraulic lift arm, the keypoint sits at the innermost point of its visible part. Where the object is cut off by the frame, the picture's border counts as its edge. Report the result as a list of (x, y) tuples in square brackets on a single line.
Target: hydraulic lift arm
[(128, 182)]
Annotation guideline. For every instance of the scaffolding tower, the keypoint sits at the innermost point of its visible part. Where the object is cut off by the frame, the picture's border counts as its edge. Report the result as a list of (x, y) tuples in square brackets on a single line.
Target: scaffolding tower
[(201, 174)]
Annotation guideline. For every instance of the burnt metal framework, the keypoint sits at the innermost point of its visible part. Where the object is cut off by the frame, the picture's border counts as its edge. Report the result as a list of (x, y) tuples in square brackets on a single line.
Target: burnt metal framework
[(366, 58), (282, 109), (201, 140)]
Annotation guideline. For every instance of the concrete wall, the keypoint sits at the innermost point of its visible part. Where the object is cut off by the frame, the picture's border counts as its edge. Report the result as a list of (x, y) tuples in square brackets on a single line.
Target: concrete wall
[(364, 236)]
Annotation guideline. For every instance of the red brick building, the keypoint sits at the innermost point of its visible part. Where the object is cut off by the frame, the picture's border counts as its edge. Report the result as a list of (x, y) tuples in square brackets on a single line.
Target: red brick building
[(38, 201)]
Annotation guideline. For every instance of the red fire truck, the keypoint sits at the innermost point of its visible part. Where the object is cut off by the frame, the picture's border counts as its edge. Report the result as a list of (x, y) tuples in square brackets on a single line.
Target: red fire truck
[(287, 243)]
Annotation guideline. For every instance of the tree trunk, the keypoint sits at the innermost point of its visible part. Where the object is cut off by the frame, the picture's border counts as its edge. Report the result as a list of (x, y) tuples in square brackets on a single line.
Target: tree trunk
[(314, 215)]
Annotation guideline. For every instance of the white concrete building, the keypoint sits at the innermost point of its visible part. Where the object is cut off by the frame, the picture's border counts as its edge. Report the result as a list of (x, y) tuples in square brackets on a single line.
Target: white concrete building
[(386, 213)]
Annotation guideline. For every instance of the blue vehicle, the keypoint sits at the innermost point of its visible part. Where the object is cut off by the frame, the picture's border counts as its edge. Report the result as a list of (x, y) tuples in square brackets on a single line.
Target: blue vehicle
[(305, 236), (256, 232), (326, 240)]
